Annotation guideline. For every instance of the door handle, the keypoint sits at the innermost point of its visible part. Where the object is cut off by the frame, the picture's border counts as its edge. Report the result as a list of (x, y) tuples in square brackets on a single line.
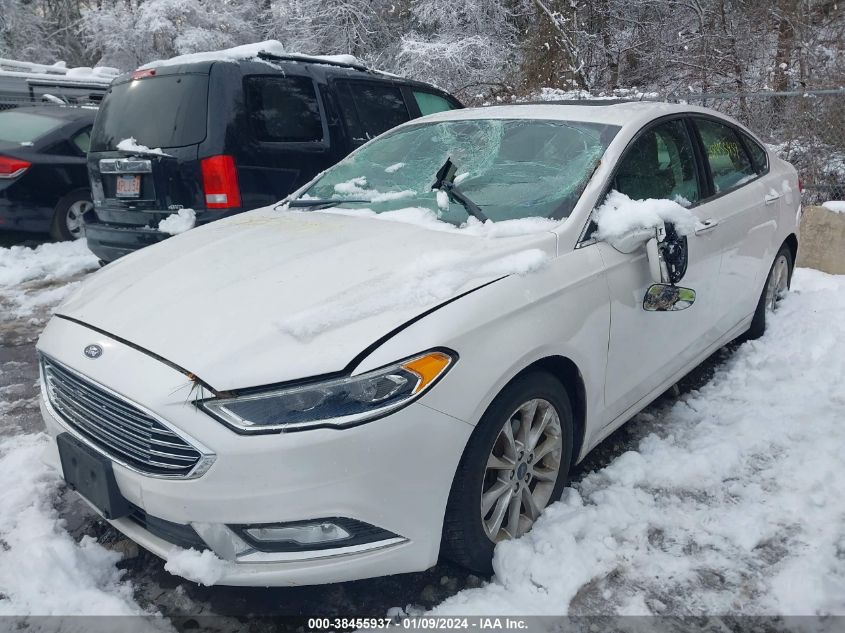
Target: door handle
[(705, 225), (772, 198)]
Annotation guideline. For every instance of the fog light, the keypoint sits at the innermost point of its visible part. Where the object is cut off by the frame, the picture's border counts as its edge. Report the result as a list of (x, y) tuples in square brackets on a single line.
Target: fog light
[(314, 534), (303, 534)]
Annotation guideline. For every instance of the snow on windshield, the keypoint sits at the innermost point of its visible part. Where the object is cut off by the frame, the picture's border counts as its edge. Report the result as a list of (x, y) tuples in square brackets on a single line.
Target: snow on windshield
[(510, 168), (619, 215)]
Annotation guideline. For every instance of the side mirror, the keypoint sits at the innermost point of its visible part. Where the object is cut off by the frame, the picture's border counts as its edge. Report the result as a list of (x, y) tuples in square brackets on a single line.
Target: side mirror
[(668, 255), (631, 241), (666, 298)]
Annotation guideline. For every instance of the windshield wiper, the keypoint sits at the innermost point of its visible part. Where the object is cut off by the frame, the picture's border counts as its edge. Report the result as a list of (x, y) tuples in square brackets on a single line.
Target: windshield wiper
[(445, 181), (314, 203)]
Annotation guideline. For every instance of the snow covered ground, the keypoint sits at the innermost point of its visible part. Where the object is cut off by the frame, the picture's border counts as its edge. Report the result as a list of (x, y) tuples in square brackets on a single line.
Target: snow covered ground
[(725, 501)]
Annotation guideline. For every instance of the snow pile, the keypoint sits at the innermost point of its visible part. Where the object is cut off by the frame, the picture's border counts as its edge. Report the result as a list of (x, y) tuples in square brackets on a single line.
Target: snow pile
[(131, 145), (357, 188), (43, 571), (180, 222), (392, 169), (731, 504), (837, 206), (430, 279), (47, 262), (203, 567), (619, 216), (236, 53)]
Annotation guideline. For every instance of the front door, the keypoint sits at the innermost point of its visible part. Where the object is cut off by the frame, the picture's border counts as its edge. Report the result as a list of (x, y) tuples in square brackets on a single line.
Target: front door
[(648, 348)]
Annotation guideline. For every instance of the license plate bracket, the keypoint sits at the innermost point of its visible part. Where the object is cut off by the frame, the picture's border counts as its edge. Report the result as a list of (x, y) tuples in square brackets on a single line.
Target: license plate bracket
[(92, 476), (128, 186)]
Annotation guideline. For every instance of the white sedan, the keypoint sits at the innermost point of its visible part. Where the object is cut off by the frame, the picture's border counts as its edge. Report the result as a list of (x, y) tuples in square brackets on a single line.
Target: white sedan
[(408, 356)]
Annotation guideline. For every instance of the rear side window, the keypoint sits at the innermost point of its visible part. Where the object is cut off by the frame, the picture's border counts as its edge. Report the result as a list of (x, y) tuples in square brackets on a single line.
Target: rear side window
[(430, 103), (161, 111), (379, 107), (660, 165), (284, 109), (729, 163), (758, 154), (17, 126)]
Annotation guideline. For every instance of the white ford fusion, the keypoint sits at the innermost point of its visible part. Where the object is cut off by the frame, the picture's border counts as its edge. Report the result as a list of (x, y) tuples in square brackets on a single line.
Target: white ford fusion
[(409, 355)]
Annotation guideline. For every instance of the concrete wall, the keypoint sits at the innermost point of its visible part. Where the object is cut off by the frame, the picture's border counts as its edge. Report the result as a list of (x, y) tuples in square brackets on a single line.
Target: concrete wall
[(822, 240)]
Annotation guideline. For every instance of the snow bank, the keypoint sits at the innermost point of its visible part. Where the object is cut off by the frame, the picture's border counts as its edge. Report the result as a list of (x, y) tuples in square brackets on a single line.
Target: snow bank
[(179, 222), (619, 216), (131, 145), (203, 567), (731, 502), (837, 206), (43, 571), (48, 262), (428, 280)]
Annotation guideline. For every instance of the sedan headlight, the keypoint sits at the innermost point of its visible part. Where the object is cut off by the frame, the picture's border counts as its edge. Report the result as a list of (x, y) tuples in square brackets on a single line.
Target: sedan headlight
[(339, 402)]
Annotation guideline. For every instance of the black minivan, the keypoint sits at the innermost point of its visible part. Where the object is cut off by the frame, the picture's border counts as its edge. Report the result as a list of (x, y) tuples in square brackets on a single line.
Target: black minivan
[(222, 137)]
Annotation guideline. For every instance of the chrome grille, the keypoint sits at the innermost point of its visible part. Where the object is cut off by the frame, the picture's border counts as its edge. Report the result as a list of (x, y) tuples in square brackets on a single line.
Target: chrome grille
[(122, 431)]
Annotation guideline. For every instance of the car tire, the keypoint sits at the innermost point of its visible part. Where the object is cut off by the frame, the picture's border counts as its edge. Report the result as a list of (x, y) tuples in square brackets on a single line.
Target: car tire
[(67, 221), (777, 283), (467, 528)]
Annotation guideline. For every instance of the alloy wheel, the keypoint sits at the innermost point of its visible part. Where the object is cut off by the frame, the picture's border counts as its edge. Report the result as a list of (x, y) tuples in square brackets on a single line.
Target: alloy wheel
[(73, 219), (778, 282), (521, 471)]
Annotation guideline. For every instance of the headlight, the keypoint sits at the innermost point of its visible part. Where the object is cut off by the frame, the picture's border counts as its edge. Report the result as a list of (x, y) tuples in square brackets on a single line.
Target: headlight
[(336, 403)]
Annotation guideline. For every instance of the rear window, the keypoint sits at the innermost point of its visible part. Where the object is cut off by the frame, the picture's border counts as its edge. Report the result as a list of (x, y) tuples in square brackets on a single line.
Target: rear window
[(284, 109), (17, 126), (163, 111)]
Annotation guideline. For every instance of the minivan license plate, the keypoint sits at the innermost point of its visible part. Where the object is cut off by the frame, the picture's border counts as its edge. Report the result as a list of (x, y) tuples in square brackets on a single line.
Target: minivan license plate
[(128, 186)]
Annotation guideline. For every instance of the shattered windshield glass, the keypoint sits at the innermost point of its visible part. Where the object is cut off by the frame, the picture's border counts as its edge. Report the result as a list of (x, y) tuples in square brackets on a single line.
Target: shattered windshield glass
[(510, 168)]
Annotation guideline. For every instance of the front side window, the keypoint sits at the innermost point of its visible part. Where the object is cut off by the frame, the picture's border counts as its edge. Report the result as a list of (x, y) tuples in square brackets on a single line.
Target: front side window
[(379, 106), (660, 165), (510, 168), (283, 109), (429, 103), (729, 163)]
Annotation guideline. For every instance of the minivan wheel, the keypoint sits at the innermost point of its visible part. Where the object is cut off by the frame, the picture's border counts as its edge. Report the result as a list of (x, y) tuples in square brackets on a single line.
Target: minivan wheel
[(515, 464), (777, 283), (67, 219)]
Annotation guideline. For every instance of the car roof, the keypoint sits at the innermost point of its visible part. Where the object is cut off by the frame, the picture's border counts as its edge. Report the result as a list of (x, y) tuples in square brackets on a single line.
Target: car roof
[(67, 113), (611, 112)]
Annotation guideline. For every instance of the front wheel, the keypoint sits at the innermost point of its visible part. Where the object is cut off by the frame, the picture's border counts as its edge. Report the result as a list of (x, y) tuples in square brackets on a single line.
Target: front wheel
[(515, 465), (777, 283)]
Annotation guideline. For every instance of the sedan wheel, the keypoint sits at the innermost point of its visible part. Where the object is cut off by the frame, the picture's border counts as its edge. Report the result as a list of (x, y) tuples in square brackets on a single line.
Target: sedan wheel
[(777, 283), (514, 466), (73, 219), (522, 470)]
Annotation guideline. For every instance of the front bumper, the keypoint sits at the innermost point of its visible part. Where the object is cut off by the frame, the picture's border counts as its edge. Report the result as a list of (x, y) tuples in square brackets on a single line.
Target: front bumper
[(394, 473)]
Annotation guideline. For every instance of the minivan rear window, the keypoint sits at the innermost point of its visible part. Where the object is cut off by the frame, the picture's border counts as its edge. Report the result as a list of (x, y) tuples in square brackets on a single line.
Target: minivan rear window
[(163, 111)]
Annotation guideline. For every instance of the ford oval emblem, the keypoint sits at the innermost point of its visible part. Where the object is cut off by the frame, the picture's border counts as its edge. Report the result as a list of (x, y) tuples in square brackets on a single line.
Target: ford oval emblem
[(93, 351)]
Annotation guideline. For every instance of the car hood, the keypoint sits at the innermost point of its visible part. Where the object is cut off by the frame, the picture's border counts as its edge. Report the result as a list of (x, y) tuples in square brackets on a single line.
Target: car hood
[(270, 296)]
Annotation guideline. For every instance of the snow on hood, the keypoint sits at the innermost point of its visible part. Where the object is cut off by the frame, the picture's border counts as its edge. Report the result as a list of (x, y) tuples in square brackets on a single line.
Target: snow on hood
[(269, 296)]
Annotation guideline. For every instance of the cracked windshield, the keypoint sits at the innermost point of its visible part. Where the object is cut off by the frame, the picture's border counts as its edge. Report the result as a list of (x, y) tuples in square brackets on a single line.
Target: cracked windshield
[(510, 169)]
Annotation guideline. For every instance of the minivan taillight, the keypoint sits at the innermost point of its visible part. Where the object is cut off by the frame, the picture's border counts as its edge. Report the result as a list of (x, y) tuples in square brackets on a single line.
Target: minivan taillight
[(220, 182), (12, 167)]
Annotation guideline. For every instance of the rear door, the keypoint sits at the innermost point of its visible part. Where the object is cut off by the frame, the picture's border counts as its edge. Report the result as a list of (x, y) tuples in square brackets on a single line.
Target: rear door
[(288, 139), (740, 213), (142, 159), (369, 108)]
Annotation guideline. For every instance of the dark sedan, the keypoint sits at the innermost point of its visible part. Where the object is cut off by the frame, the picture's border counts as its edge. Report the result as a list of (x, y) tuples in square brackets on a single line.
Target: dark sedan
[(43, 179)]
